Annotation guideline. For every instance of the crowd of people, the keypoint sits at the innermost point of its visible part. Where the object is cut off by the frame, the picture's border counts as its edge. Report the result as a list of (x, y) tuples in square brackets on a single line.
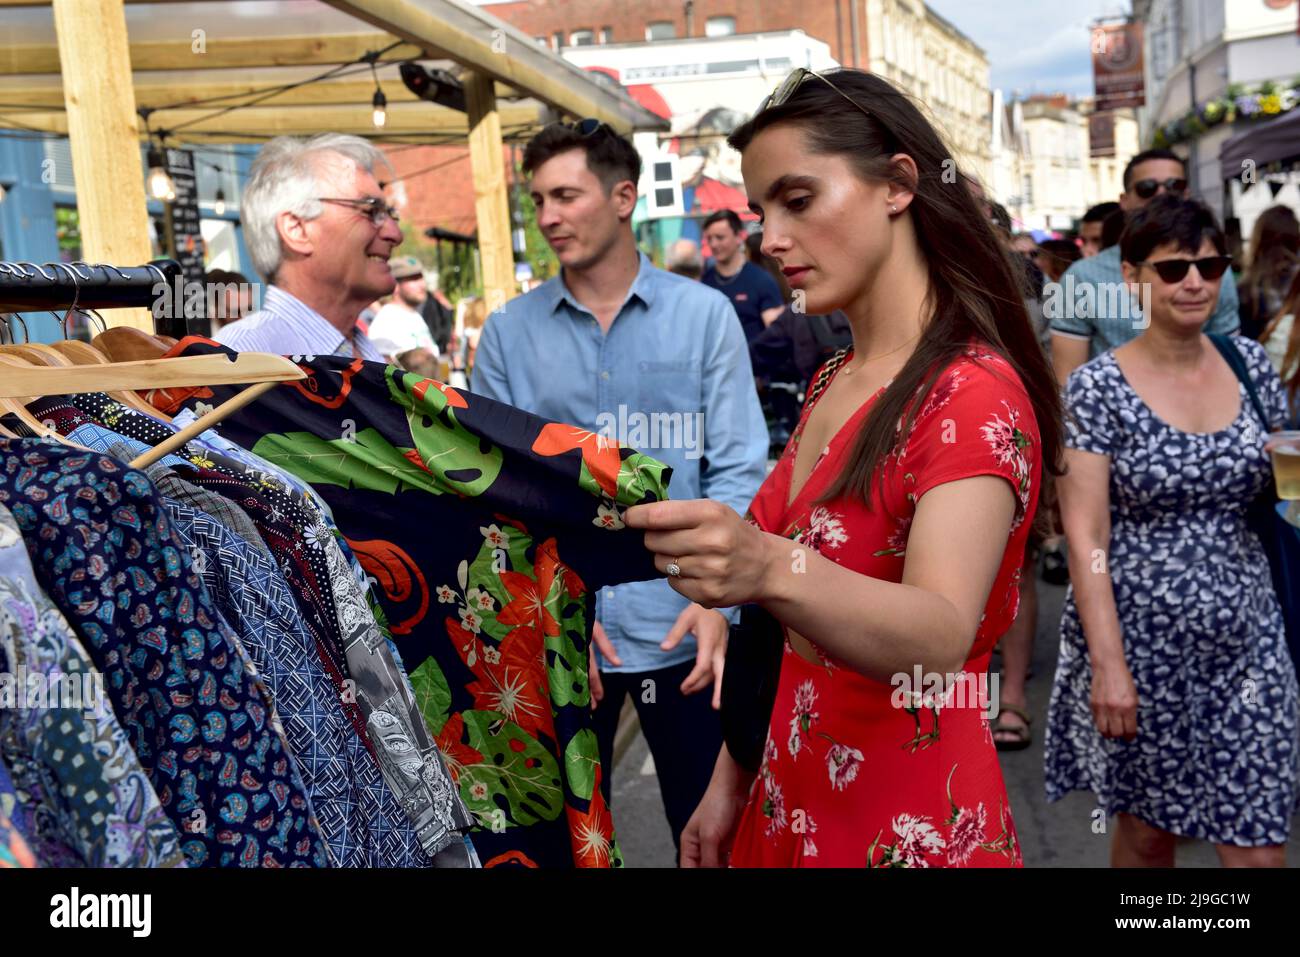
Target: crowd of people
[(942, 414)]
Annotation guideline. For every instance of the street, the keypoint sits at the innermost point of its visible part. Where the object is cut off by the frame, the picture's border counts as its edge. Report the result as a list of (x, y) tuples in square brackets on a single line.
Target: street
[(1051, 835)]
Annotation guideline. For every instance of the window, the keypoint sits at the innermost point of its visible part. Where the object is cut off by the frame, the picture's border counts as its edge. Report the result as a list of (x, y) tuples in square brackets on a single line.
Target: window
[(582, 38), (542, 41), (661, 30), (606, 34), (720, 26)]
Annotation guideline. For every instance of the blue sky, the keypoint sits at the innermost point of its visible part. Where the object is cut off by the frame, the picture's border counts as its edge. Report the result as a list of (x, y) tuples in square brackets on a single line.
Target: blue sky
[(1034, 46)]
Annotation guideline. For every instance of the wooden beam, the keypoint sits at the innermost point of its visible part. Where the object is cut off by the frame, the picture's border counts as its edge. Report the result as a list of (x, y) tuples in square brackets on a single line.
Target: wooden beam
[(483, 44), (491, 202), (154, 94), (101, 125), (403, 118), (240, 53)]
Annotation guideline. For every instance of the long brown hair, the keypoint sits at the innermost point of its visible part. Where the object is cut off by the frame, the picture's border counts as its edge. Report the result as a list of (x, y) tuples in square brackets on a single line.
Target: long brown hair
[(1291, 362), (1274, 252), (973, 290)]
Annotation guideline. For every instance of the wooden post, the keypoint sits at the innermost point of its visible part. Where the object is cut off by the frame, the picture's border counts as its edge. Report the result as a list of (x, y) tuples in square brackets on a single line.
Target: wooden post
[(104, 138), (491, 204)]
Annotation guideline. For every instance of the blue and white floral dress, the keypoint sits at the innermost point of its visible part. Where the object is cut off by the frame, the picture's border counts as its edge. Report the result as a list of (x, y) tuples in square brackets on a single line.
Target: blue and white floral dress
[(1216, 756)]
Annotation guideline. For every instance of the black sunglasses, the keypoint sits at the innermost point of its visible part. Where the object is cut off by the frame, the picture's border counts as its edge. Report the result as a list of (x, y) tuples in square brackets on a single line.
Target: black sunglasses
[(795, 80), (1175, 270), (588, 127), (1146, 188)]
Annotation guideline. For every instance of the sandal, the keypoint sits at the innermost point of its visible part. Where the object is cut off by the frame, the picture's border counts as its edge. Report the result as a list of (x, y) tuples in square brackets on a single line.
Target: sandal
[(1023, 734)]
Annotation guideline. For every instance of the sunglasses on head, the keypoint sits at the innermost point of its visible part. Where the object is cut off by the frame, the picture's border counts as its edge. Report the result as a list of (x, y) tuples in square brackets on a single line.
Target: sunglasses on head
[(782, 93), (1175, 270), (1146, 188), (588, 127)]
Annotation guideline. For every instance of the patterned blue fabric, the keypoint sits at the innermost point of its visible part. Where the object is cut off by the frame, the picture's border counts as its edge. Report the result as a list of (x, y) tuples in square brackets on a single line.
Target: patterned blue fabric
[(96, 796), (103, 550), (100, 439), (1216, 755), (358, 812), (211, 439)]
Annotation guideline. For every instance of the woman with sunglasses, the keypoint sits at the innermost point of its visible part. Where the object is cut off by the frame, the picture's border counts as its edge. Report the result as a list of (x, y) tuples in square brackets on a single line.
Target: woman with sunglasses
[(1175, 697), (889, 539)]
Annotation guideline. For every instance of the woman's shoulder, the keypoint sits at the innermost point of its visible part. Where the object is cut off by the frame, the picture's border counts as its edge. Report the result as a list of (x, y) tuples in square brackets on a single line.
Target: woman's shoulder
[(1100, 373), (981, 370), (1253, 352)]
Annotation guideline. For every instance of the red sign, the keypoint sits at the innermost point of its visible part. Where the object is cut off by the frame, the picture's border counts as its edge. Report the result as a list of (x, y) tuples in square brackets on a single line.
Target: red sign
[(1117, 66)]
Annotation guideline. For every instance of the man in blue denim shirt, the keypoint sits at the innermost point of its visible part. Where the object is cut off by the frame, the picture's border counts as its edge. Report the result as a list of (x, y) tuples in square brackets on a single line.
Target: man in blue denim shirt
[(658, 362)]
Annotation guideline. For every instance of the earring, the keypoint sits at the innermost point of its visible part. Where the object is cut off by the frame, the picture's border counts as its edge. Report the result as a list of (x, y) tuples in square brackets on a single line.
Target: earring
[(893, 208)]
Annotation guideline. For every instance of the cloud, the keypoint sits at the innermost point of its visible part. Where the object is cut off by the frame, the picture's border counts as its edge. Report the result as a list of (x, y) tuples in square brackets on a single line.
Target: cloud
[(1032, 45)]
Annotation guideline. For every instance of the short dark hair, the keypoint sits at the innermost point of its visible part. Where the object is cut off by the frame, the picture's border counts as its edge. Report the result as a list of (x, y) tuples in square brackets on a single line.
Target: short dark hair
[(731, 217), (1098, 213), (1063, 249), (609, 156), (1112, 227), (1170, 219), (1145, 157)]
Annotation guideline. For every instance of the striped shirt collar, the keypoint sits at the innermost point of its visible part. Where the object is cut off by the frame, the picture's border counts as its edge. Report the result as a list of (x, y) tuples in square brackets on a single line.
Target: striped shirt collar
[(285, 325)]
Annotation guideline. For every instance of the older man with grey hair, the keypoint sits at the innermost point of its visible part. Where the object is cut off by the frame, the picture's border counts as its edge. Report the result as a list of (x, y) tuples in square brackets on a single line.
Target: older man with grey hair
[(320, 233), (684, 259)]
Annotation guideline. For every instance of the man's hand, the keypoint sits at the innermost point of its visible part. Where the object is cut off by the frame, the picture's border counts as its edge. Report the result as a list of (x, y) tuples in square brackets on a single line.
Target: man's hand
[(599, 640), (710, 631)]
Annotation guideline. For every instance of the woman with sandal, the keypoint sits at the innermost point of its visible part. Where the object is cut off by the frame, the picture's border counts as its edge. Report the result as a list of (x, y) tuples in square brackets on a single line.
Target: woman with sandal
[(1175, 698), (891, 534)]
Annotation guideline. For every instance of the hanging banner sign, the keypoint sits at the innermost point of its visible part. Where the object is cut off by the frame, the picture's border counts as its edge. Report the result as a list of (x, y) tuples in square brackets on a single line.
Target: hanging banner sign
[(1101, 134), (1117, 66)]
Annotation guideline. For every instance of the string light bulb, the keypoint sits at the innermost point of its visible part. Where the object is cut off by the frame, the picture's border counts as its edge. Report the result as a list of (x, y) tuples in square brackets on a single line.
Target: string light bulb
[(160, 182), (380, 104), (219, 207)]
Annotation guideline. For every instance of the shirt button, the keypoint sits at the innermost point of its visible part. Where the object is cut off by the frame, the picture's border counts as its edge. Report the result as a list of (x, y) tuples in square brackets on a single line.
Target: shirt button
[(604, 375)]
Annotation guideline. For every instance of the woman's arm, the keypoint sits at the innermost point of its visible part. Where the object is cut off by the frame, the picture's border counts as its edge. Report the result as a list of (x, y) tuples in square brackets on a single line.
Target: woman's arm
[(955, 545), (1084, 492), (1085, 512)]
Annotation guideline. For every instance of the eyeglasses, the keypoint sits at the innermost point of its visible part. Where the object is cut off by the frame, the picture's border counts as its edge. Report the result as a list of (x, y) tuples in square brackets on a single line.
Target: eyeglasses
[(1146, 188), (375, 208), (1175, 270), (795, 80)]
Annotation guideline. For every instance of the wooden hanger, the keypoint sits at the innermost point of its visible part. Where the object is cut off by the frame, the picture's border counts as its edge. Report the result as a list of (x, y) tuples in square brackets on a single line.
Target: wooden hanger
[(83, 354), (16, 365), (129, 344), (262, 368)]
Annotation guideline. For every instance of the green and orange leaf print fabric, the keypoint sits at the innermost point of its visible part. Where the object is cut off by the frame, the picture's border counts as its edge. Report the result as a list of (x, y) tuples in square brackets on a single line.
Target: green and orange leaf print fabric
[(485, 531)]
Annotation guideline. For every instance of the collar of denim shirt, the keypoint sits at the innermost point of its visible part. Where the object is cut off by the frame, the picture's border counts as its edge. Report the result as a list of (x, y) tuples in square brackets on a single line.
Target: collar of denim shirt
[(643, 287)]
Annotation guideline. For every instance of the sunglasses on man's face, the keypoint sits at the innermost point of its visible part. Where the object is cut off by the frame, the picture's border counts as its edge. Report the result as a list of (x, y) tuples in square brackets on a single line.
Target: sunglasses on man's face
[(1146, 188), (1175, 270)]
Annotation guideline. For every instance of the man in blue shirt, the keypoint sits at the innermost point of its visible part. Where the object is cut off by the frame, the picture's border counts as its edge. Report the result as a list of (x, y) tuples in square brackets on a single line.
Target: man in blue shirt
[(753, 293), (615, 345), (1090, 309)]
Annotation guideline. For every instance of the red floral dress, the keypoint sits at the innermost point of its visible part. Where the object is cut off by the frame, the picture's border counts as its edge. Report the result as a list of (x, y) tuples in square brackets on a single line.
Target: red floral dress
[(857, 772)]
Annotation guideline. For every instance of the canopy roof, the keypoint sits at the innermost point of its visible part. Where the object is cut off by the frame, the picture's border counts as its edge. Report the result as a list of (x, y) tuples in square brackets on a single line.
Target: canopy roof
[(192, 62)]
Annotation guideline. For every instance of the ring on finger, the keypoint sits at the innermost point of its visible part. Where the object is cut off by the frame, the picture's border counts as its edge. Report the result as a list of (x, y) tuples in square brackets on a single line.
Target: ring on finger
[(674, 570)]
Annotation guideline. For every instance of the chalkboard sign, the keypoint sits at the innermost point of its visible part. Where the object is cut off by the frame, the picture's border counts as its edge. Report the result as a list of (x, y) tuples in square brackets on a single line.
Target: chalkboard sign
[(185, 238)]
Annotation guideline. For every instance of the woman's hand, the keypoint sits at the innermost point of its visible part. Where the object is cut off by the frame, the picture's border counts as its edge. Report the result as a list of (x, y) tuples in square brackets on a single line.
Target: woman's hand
[(724, 560), (1114, 700), (706, 840)]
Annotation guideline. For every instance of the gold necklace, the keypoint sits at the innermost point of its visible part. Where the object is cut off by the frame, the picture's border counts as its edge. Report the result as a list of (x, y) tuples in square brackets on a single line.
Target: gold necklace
[(847, 370)]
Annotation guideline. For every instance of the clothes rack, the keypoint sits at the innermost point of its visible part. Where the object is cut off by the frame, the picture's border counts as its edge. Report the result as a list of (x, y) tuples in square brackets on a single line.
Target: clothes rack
[(26, 286)]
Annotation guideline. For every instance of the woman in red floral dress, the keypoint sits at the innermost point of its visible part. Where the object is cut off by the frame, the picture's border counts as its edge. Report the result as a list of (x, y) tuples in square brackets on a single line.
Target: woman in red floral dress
[(889, 539)]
